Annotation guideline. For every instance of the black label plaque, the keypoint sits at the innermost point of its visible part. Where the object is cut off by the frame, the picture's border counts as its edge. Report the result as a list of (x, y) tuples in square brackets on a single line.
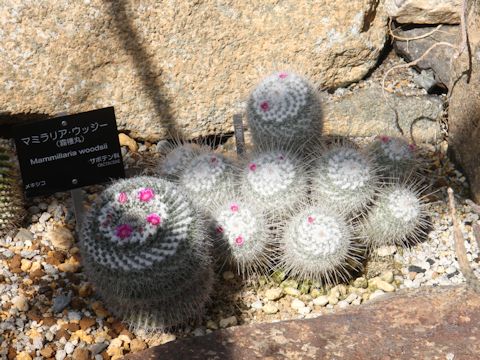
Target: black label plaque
[(69, 152)]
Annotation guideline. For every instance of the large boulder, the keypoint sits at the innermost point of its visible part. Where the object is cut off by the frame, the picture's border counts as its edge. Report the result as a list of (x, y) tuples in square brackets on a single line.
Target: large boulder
[(175, 66), (424, 11), (464, 108)]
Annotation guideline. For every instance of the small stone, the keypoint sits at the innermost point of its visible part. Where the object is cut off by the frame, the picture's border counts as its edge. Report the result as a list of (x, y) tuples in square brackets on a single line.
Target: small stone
[(376, 294), (361, 283), (385, 286), (297, 304), (227, 322), (86, 323), (99, 310), (23, 356), (257, 305), (61, 238), (291, 291), (273, 294), (81, 354), (137, 345), (44, 217), (20, 302), (98, 348), (388, 250), (270, 308), (412, 275), (127, 141), (23, 236), (332, 299), (315, 293), (387, 276), (25, 265), (350, 298), (60, 355), (198, 331), (415, 268), (60, 302), (47, 351), (85, 290), (321, 300), (69, 348), (289, 283), (305, 287), (71, 265), (228, 275), (342, 304), (212, 325), (305, 310)]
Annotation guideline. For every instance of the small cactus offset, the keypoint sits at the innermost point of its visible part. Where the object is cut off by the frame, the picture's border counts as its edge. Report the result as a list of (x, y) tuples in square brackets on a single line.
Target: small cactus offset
[(397, 217), (208, 178), (242, 235), (395, 156), (319, 244), (274, 180), (178, 158), (144, 248), (344, 178), (11, 195), (284, 107)]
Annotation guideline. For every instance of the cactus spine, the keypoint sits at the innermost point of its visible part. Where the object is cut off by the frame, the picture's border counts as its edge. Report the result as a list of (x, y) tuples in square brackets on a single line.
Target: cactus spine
[(284, 107), (178, 158), (394, 155), (11, 196), (143, 246)]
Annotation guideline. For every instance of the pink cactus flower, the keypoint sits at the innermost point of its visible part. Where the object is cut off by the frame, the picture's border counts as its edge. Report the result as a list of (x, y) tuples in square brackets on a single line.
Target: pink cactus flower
[(213, 160), (219, 230), (122, 198), (234, 207), (154, 219), (123, 231), (282, 75), (265, 106), (239, 240), (146, 195), (252, 167), (310, 219), (281, 157), (383, 138), (412, 147)]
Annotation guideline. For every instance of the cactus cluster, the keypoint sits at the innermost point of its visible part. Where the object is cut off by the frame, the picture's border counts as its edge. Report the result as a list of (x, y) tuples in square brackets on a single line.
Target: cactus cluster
[(144, 248), (11, 196), (284, 107)]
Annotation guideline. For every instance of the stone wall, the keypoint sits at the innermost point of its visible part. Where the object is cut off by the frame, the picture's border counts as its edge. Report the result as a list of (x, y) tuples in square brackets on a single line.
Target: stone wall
[(175, 66)]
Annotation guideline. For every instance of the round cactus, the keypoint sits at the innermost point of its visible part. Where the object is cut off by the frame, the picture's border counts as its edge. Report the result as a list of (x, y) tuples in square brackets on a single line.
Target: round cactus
[(344, 178), (274, 180), (143, 247), (242, 235), (394, 155), (11, 195), (319, 244), (208, 178), (178, 158), (397, 217), (284, 107)]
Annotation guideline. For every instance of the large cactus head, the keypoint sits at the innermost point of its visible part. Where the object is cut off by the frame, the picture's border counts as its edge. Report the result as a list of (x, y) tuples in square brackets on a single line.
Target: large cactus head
[(242, 235), (177, 158), (144, 248), (208, 178), (345, 178), (274, 180), (397, 217), (394, 155), (11, 195), (284, 107), (319, 244)]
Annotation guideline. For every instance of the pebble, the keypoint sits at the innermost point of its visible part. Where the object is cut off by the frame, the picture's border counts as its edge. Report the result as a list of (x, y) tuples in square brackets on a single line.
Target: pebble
[(361, 283), (342, 304), (376, 294), (315, 293), (139, 345), (387, 276), (351, 297), (23, 356), (322, 300), (228, 275), (69, 348), (23, 236), (98, 348), (332, 299), (20, 302), (270, 308), (227, 322), (291, 291), (386, 250), (61, 238), (257, 305), (81, 354), (127, 141), (385, 286), (212, 325), (60, 302), (273, 294), (304, 310), (297, 304), (60, 354)]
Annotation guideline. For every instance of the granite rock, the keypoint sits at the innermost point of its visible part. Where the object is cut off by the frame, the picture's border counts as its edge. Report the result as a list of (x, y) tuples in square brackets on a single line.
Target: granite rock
[(424, 11), (175, 67)]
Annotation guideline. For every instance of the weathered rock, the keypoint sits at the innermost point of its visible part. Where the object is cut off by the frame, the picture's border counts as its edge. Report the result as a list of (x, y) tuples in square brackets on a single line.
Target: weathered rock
[(439, 59), (175, 67), (424, 11), (366, 112), (464, 109), (427, 323)]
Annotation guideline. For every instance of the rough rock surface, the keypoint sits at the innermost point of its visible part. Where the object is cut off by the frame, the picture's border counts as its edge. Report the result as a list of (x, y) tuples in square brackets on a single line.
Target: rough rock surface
[(424, 11), (464, 110), (439, 59), (175, 66), (366, 112), (429, 323)]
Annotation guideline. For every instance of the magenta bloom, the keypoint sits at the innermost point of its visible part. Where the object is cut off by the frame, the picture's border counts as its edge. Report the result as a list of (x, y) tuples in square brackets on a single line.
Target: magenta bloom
[(219, 229), (385, 139), (146, 195), (154, 219), (310, 219), (412, 147), (239, 240), (122, 198), (123, 231), (265, 106), (253, 167), (282, 75), (234, 207)]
